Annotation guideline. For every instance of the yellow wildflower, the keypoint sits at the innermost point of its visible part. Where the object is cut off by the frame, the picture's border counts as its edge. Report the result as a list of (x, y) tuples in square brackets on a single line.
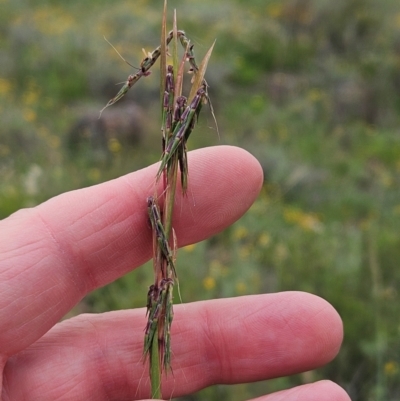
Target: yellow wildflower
[(29, 115), (391, 368), (240, 233), (209, 283), (114, 145), (5, 86), (241, 287)]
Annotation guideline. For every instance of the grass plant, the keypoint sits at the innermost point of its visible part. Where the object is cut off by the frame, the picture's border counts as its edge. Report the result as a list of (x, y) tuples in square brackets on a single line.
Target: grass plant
[(179, 117)]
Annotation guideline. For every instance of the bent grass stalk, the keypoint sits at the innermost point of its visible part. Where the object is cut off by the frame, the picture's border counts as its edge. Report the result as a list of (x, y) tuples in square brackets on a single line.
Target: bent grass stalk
[(179, 117)]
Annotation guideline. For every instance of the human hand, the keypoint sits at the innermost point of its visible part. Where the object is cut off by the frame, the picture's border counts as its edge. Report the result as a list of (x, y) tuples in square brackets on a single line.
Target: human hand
[(51, 256)]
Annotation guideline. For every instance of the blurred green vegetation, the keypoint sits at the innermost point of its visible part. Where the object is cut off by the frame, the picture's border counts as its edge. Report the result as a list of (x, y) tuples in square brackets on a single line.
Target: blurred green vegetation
[(314, 86)]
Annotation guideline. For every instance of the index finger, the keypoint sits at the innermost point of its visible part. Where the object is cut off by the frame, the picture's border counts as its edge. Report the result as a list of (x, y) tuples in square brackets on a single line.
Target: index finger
[(51, 256)]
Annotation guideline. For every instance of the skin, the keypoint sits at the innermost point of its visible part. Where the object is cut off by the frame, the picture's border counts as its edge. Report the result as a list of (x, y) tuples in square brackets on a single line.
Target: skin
[(52, 255)]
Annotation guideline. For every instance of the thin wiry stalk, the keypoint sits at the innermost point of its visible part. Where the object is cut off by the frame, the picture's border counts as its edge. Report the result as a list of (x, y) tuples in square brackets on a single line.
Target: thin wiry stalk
[(179, 117), (151, 348), (178, 121)]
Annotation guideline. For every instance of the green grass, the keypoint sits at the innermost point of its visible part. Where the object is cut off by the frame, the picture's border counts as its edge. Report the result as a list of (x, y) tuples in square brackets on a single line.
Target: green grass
[(310, 88)]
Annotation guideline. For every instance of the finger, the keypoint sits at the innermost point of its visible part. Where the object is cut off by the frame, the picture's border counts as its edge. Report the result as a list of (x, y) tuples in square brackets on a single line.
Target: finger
[(324, 390), (54, 254), (320, 391), (228, 341)]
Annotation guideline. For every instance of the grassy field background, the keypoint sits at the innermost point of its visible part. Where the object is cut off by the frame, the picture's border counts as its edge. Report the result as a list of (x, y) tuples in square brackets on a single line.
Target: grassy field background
[(311, 88)]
